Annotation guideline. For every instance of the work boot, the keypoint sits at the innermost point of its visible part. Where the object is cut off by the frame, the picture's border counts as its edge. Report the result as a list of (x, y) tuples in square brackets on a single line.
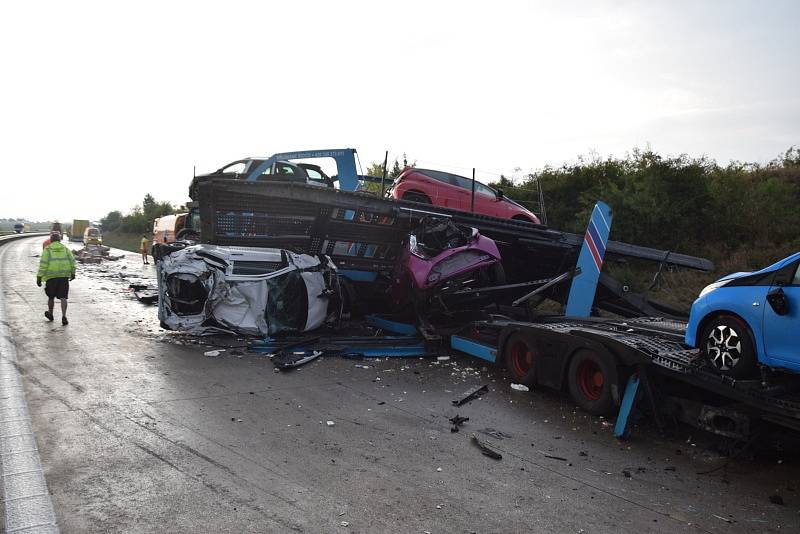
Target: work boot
[(64, 321), (49, 315)]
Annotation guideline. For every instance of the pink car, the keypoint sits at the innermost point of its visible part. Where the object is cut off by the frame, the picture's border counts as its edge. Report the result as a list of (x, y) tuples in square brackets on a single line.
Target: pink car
[(455, 192)]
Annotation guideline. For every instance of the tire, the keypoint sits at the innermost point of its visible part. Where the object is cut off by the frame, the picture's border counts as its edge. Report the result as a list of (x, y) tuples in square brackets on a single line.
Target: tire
[(495, 275), (591, 379), (520, 359), (413, 196), (727, 344)]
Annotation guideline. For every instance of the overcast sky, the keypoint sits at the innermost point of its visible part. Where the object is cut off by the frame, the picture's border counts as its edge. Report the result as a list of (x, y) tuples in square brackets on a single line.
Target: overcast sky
[(102, 102)]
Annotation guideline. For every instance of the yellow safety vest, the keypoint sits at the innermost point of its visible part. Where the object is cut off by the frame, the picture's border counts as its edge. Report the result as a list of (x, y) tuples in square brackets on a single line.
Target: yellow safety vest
[(57, 261)]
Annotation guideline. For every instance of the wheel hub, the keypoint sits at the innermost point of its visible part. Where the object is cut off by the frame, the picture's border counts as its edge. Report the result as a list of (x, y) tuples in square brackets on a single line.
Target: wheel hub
[(724, 347)]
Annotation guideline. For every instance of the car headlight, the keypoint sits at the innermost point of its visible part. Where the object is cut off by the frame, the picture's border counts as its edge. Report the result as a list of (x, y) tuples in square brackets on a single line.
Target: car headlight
[(414, 248), (711, 287)]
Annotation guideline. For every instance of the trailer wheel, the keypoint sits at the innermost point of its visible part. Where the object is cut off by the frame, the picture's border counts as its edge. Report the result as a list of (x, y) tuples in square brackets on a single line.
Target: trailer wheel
[(591, 378), (520, 359)]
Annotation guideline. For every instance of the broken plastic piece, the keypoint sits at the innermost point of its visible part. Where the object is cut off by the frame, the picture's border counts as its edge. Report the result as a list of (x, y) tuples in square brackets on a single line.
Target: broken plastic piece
[(520, 387), (485, 449), (472, 396), (213, 353), (287, 359), (457, 422)]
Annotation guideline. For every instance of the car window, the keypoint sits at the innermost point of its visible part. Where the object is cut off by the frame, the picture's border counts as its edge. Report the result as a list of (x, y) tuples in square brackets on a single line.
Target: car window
[(484, 190), (440, 176), (313, 174), (796, 279), (237, 167)]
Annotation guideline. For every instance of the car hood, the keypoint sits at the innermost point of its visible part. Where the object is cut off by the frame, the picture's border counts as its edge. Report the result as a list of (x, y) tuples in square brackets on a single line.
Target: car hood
[(734, 276)]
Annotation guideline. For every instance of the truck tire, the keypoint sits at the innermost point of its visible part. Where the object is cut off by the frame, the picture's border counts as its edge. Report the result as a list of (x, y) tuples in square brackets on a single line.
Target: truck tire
[(727, 343), (519, 355), (591, 379)]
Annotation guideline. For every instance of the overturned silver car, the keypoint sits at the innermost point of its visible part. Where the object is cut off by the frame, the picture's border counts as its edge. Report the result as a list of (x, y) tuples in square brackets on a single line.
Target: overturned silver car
[(207, 289)]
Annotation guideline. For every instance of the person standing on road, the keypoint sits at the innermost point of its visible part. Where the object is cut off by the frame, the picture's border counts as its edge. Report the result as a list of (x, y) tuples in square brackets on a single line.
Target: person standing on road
[(56, 269), (143, 248)]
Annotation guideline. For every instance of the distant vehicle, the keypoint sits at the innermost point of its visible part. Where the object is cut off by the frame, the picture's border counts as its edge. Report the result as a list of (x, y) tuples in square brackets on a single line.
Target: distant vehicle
[(167, 228), (79, 226), (750, 318), (91, 236), (279, 171), (56, 227), (453, 191), (19, 228)]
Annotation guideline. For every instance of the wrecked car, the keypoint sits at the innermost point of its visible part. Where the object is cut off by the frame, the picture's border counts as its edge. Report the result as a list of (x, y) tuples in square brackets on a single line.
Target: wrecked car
[(207, 289)]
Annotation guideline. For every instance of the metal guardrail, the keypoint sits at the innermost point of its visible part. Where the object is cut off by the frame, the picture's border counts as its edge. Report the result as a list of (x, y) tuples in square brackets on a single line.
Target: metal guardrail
[(12, 237)]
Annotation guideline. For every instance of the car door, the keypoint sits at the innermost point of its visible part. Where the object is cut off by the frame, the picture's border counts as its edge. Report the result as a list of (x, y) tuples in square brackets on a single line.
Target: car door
[(486, 201), (446, 191), (782, 319)]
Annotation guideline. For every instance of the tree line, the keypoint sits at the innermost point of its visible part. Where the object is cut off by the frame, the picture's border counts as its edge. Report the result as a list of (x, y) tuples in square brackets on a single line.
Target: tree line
[(685, 204), (139, 220)]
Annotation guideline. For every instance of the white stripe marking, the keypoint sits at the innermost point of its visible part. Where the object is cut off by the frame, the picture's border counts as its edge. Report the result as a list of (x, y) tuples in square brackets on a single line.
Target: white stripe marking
[(602, 218)]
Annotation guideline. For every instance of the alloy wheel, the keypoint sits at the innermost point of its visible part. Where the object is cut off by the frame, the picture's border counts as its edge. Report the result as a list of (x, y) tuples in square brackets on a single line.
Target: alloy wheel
[(724, 347)]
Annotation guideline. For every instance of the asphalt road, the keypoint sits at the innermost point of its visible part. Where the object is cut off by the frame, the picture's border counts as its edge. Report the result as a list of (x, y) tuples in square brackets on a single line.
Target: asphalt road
[(138, 431)]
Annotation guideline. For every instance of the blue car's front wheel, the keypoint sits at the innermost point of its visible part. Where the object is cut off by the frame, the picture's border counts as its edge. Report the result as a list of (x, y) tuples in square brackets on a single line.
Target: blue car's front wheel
[(728, 345)]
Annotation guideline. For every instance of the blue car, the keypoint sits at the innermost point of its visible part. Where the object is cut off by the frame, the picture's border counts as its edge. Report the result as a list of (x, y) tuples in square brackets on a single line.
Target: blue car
[(746, 319)]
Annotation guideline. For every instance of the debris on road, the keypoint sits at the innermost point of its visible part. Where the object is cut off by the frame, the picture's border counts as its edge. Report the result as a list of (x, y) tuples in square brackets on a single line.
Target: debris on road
[(472, 396), (330, 423), (485, 449), (213, 353), (146, 296), (496, 434), (287, 359), (457, 422), (520, 387), (95, 254)]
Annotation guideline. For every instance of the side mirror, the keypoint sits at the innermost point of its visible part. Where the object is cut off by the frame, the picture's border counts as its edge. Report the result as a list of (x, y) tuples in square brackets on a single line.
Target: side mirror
[(781, 280), (500, 194), (777, 300)]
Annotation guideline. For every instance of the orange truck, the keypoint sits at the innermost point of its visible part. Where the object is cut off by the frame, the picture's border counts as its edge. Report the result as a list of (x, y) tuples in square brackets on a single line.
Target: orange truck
[(166, 228)]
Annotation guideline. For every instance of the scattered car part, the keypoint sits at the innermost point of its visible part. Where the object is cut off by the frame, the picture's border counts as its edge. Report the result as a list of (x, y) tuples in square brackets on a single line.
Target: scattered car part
[(485, 449), (457, 422), (471, 396)]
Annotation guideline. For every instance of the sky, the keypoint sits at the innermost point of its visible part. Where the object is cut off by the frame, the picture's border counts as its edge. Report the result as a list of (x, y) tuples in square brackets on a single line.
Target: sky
[(104, 102)]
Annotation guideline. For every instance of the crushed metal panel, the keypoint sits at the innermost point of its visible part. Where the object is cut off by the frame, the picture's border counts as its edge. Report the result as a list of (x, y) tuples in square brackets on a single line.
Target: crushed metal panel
[(207, 289)]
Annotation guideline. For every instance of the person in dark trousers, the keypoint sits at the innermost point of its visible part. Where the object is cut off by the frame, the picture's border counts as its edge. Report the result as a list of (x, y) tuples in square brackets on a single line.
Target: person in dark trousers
[(56, 269)]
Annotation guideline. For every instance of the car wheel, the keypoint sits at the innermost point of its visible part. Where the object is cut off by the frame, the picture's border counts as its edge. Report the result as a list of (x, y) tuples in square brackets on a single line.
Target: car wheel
[(520, 359), (591, 378), (727, 344), (412, 196)]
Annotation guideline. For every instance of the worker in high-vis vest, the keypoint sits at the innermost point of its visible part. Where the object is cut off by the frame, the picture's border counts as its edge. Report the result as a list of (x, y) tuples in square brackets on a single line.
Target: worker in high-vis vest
[(56, 269)]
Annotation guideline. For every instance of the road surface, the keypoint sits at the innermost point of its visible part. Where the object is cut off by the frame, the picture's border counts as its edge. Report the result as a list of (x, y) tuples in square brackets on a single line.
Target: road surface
[(138, 431)]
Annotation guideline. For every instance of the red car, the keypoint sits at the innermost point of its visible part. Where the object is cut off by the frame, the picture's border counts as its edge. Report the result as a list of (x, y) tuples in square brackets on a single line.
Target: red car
[(455, 192)]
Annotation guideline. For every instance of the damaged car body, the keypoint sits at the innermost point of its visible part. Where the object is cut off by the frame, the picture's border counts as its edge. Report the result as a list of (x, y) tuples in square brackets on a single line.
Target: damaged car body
[(208, 289)]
